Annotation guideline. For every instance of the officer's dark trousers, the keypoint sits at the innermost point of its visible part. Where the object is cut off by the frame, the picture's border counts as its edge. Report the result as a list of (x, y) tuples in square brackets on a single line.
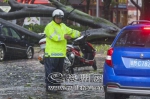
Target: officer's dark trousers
[(52, 65)]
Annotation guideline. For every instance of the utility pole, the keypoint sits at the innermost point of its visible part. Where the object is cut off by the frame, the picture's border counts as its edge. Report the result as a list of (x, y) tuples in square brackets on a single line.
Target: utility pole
[(97, 8)]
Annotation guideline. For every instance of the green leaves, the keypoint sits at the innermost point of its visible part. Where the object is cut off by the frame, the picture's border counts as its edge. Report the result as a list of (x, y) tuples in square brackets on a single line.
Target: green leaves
[(5, 1)]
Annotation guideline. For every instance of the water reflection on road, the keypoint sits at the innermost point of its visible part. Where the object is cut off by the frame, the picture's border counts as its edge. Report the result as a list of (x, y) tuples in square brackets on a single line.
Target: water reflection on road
[(24, 79)]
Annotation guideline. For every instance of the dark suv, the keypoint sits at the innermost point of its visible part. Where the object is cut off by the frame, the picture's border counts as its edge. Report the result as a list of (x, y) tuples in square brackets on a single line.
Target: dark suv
[(126, 69), (13, 44)]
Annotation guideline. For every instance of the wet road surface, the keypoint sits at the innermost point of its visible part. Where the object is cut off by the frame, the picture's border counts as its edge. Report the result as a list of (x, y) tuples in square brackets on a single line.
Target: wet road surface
[(24, 79)]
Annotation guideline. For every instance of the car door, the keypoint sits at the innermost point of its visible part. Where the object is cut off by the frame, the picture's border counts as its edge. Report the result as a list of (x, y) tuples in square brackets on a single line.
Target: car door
[(7, 40), (19, 42)]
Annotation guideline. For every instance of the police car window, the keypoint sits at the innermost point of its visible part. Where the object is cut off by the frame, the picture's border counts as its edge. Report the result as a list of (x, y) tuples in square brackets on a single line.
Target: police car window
[(134, 38), (14, 34)]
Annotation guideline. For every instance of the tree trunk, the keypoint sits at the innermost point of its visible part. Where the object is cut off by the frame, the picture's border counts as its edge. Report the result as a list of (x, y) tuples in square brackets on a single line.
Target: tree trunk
[(145, 14), (106, 9), (87, 6)]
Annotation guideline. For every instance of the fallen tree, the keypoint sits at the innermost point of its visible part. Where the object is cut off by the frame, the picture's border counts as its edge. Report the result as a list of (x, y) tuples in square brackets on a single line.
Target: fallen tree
[(19, 10)]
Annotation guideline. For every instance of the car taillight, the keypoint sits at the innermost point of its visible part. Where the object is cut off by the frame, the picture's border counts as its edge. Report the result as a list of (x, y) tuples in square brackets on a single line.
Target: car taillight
[(42, 42), (109, 57), (146, 28)]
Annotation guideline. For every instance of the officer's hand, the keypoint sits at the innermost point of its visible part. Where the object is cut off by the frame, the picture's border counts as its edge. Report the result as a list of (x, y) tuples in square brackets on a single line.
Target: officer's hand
[(67, 37), (81, 33)]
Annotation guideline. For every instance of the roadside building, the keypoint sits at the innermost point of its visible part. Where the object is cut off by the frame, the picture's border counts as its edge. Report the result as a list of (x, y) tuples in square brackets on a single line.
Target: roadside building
[(121, 13)]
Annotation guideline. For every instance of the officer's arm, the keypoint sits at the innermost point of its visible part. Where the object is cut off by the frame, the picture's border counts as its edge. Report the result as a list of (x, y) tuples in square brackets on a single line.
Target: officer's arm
[(52, 34), (73, 33)]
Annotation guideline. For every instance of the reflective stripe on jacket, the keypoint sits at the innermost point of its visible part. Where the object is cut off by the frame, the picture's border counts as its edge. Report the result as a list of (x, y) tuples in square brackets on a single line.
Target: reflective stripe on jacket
[(55, 41)]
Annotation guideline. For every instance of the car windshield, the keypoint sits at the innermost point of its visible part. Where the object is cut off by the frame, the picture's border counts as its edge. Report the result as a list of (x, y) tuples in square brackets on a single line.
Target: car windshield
[(134, 38)]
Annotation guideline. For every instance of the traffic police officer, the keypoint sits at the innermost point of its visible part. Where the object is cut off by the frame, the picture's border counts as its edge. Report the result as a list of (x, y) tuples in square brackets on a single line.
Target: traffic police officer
[(57, 34)]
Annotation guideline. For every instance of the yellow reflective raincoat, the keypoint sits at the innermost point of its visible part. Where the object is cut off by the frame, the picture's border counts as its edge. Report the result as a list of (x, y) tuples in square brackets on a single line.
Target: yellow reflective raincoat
[(55, 41)]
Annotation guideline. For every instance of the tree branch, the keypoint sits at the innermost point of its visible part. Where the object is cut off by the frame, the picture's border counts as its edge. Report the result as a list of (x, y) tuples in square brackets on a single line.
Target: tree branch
[(41, 11), (32, 10), (28, 12), (83, 18), (136, 5), (17, 6)]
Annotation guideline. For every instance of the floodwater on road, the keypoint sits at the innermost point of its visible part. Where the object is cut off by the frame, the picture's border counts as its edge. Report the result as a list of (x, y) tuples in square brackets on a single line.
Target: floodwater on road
[(24, 79)]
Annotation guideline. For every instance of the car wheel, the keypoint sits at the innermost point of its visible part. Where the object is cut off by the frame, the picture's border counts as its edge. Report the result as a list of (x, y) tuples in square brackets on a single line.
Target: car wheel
[(2, 53), (115, 96), (94, 65), (29, 53)]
